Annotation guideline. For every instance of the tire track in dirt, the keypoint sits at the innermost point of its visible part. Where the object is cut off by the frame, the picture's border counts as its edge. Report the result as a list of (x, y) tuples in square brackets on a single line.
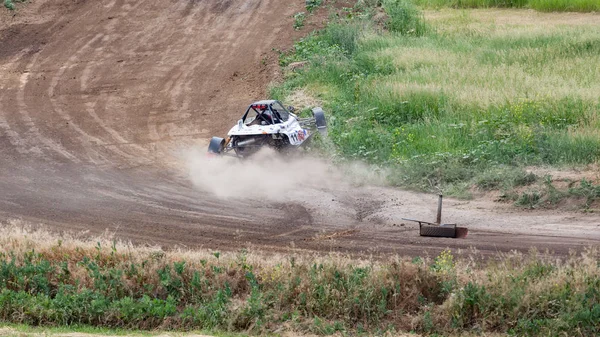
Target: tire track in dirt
[(89, 47), (57, 101), (30, 123)]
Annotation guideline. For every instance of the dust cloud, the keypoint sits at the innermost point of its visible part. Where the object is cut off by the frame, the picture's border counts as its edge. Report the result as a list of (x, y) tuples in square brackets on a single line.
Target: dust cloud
[(268, 174)]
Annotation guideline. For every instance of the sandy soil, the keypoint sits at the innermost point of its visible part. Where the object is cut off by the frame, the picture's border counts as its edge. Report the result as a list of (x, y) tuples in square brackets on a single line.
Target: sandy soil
[(105, 108)]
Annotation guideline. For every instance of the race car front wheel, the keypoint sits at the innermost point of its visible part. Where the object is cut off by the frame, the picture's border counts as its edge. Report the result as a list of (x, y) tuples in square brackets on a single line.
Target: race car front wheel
[(216, 145)]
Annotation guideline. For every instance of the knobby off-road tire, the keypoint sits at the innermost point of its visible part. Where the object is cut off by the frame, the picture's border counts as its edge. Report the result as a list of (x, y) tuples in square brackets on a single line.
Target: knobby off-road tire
[(320, 120), (216, 145)]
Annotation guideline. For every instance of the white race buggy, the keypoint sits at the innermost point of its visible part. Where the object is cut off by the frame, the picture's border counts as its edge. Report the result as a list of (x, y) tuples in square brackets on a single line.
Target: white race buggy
[(269, 123)]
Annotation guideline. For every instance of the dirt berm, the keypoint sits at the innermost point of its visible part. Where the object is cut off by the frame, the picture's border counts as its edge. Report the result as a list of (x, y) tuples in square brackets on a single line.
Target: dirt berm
[(100, 101)]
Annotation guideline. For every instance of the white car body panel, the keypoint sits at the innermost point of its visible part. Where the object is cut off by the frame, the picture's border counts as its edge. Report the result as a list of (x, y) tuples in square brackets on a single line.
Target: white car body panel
[(291, 128)]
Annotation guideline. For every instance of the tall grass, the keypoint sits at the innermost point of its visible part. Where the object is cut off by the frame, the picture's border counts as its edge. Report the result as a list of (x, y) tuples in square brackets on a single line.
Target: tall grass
[(541, 5), (565, 5), (460, 97), (404, 18), (62, 281)]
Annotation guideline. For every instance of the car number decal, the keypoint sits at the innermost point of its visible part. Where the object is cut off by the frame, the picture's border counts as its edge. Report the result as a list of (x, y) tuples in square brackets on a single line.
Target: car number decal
[(301, 135)]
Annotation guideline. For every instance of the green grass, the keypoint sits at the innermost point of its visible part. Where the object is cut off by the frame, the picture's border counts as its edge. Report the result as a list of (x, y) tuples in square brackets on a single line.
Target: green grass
[(23, 330), (444, 101), (70, 283), (540, 5)]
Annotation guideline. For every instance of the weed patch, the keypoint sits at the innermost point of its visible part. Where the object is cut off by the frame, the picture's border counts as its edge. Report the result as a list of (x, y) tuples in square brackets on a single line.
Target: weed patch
[(299, 19), (582, 194)]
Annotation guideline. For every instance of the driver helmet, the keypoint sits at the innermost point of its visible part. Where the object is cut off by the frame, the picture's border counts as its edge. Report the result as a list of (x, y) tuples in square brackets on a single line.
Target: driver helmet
[(268, 115)]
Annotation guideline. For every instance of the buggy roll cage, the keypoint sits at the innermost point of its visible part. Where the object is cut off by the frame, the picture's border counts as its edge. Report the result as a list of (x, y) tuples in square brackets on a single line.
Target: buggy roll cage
[(260, 108)]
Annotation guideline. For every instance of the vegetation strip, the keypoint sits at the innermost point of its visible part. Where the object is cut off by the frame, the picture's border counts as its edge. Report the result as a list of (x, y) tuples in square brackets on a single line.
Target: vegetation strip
[(61, 282), (20, 330)]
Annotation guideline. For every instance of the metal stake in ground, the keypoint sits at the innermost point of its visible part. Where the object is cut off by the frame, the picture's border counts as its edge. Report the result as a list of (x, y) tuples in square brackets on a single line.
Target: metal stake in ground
[(439, 212)]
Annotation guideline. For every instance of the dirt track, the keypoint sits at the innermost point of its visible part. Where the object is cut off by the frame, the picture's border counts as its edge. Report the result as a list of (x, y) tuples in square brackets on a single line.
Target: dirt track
[(97, 97)]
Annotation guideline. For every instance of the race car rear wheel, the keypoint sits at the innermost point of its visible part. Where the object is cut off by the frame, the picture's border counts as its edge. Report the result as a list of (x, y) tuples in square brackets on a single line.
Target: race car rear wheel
[(320, 120), (216, 145)]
